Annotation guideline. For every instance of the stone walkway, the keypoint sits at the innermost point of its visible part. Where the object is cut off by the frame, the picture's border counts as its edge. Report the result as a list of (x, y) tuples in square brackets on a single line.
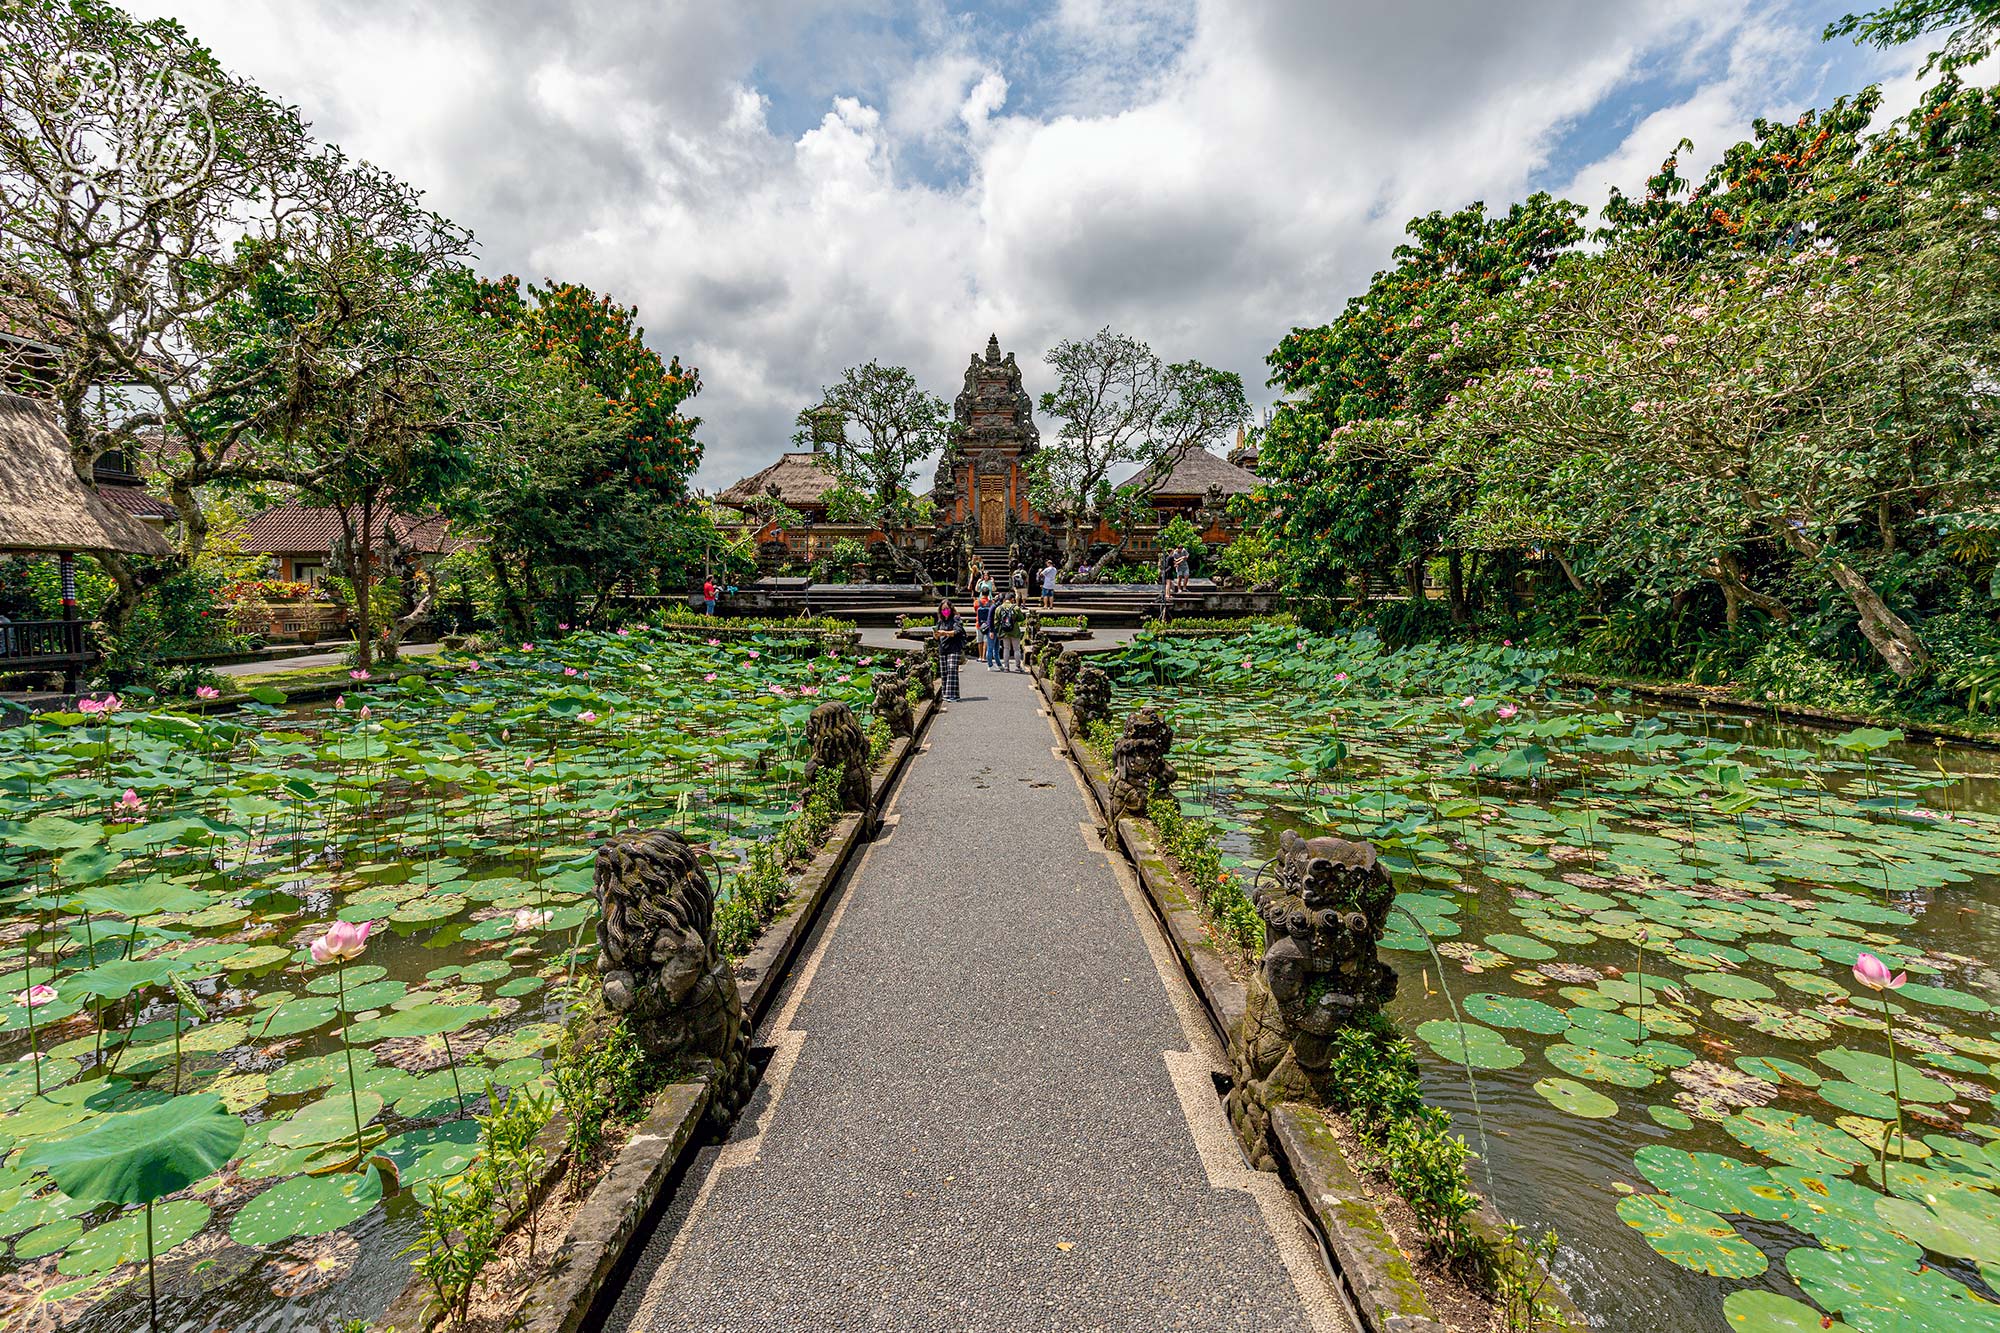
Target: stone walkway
[(991, 1104)]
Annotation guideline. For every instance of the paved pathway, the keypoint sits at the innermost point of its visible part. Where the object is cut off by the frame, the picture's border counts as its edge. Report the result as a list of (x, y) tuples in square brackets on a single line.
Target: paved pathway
[(326, 659), (991, 1105)]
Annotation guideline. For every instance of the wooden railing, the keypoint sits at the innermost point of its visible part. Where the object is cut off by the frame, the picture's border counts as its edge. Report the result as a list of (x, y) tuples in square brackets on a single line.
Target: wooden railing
[(35, 642)]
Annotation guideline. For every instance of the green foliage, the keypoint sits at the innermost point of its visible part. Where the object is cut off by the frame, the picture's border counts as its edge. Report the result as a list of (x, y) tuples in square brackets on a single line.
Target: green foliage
[(460, 1234), (1252, 560), (600, 1075), (754, 899), (1178, 531), (1192, 843), (1374, 1074)]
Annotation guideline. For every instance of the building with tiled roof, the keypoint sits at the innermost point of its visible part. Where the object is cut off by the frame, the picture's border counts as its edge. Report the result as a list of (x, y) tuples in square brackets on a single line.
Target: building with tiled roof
[(300, 538), (1192, 479)]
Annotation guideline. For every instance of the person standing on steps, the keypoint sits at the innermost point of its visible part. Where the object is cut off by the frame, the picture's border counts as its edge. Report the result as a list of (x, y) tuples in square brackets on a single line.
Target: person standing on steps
[(708, 595), (951, 647), (1018, 580), (1049, 576), (1007, 624), (1180, 568), (982, 612), (985, 584)]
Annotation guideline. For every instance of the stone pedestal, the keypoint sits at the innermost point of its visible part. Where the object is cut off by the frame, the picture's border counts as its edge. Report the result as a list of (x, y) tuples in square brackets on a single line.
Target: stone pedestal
[(1325, 903), (662, 971)]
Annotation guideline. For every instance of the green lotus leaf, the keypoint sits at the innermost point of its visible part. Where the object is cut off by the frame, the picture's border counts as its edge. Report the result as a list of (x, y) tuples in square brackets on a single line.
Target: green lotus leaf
[(1753, 1310), (123, 1240), (1730, 985), (356, 974), (307, 1206), (1670, 1117), (1720, 1184), (1878, 1293), (374, 995), (257, 957), (1509, 1011), (1481, 1047), (329, 1118), (1692, 1237), (1944, 1225), (1796, 1140), (1574, 1098), (1601, 1067), (1876, 1073), (429, 1021), (1778, 1070), (293, 1017), (133, 1157)]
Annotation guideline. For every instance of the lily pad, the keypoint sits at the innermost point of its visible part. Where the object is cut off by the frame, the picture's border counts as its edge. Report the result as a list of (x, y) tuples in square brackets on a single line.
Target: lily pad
[(307, 1206), (1692, 1237), (1574, 1098)]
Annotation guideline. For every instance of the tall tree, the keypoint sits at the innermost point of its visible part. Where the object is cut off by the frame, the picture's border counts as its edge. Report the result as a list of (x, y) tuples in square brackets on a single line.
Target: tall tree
[(141, 186), (1332, 503), (576, 508), (1974, 26), (1120, 404), (899, 424)]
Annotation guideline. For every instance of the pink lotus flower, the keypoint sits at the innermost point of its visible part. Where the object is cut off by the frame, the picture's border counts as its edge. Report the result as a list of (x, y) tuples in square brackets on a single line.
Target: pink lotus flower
[(1245, 663), (753, 654), (866, 661), (586, 716), (527, 647), (529, 918), (778, 690), (564, 626), (207, 692), (36, 996), (1506, 710), (1506, 643), (340, 702), (569, 671), (343, 940), (110, 703), (359, 675), (715, 643), (1873, 973), (1467, 702), (1340, 677), (472, 666), (624, 633), (808, 690), (710, 678), (842, 680), (365, 711), (130, 803)]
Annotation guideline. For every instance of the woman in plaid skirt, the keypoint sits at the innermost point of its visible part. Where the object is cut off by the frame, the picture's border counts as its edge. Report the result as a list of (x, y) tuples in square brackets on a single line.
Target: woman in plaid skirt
[(951, 647)]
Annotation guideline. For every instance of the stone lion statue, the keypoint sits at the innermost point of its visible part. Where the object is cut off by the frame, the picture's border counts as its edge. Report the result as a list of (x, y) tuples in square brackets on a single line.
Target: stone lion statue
[(838, 742), (662, 971)]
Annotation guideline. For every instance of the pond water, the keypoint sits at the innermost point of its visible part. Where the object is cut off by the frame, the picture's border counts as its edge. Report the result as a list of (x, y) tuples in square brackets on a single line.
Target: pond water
[(1648, 922), (165, 873)]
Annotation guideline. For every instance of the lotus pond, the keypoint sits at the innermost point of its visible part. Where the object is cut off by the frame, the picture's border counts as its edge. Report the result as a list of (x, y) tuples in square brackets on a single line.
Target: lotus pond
[(165, 874), (1647, 926)]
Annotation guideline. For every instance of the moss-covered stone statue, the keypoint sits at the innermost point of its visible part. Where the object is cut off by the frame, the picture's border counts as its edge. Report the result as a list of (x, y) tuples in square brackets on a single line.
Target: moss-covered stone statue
[(1090, 696), (892, 702), (1139, 764), (1324, 912), (839, 743), (662, 971)]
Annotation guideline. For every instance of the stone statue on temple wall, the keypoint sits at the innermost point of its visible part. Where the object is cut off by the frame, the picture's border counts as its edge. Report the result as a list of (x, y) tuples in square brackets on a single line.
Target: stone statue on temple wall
[(1140, 768), (1325, 904), (839, 743), (662, 971)]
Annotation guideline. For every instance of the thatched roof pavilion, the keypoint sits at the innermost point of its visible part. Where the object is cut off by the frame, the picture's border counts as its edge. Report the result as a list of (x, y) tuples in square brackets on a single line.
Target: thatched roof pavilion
[(43, 506)]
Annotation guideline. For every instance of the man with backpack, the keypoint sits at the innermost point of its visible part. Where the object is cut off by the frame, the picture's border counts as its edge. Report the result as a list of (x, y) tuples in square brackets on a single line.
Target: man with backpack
[(1007, 633)]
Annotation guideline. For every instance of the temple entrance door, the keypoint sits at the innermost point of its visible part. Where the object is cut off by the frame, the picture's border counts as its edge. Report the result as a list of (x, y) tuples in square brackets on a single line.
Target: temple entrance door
[(992, 511)]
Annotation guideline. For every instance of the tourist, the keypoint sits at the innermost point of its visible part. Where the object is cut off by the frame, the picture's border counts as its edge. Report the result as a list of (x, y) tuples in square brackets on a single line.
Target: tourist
[(1181, 567), (1049, 576), (1166, 576), (985, 583), (951, 647), (989, 629), (1007, 625), (708, 595), (1018, 580)]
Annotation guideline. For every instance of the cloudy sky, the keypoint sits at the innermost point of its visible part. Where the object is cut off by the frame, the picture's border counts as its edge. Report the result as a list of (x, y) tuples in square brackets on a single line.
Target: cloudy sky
[(788, 187)]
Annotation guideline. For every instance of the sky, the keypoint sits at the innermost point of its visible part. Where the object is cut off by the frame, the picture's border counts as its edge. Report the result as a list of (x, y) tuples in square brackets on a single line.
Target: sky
[(785, 188)]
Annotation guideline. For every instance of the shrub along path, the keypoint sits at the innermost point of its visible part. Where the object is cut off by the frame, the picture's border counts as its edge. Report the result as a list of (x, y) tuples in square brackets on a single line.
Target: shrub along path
[(991, 1103)]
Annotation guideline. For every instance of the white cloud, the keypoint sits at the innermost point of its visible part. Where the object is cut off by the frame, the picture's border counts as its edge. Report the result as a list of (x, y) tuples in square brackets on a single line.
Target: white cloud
[(1202, 174)]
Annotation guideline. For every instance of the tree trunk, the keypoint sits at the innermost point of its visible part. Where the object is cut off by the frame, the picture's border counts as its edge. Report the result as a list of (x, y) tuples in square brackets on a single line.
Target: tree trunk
[(1454, 567), (1569, 571), (1727, 571), (1899, 645), (1413, 580), (1885, 526), (510, 599), (361, 579)]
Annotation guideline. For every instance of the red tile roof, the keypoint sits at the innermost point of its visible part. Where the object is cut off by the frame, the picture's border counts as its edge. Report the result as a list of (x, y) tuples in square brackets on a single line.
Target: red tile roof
[(296, 529), (138, 501)]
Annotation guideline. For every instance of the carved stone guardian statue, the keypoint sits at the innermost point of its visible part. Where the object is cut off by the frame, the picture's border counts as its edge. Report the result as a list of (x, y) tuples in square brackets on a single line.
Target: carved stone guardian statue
[(1324, 912), (1139, 764), (662, 971), (1090, 696), (892, 702), (839, 743)]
